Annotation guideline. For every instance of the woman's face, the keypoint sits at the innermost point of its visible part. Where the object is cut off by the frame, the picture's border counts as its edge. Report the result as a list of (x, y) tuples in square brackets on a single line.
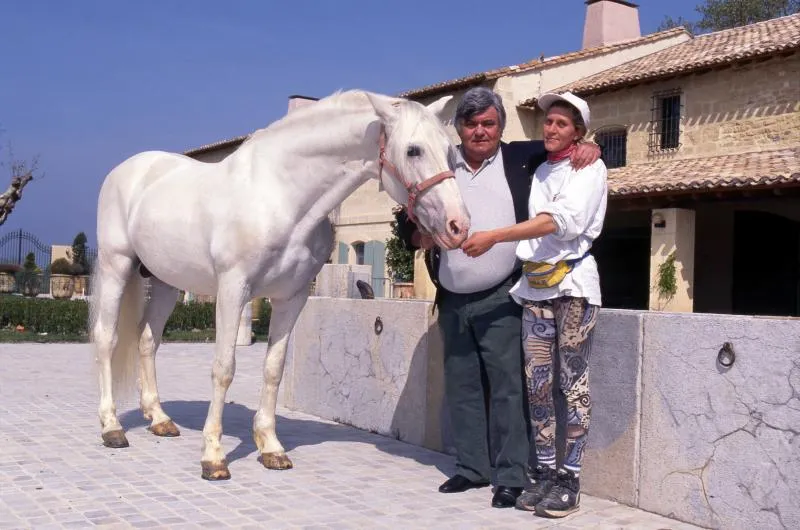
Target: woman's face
[(559, 129)]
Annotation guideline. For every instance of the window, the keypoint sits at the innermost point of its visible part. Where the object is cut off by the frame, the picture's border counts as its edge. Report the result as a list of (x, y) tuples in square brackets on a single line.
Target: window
[(614, 146), (665, 124), (359, 248)]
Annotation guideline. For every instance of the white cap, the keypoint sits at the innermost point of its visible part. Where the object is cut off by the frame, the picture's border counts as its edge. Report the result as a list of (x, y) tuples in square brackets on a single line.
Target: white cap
[(548, 99)]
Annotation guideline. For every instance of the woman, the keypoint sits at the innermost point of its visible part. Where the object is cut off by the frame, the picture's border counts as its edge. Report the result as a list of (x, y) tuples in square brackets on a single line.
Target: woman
[(560, 294)]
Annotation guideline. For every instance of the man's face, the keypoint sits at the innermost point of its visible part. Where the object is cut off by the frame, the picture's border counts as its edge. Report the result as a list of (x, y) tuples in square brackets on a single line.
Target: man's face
[(480, 135)]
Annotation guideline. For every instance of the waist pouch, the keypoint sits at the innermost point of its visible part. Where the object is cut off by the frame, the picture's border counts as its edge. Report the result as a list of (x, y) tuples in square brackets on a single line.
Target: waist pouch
[(542, 275)]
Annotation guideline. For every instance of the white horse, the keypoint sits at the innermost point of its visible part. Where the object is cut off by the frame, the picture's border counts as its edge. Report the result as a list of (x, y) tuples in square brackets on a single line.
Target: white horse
[(254, 224)]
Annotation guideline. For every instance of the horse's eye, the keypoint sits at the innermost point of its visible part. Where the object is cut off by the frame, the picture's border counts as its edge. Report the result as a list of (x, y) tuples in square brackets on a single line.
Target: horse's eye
[(414, 150)]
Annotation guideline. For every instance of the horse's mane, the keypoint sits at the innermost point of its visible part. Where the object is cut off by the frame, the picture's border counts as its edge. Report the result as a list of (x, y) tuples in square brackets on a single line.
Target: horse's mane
[(338, 101)]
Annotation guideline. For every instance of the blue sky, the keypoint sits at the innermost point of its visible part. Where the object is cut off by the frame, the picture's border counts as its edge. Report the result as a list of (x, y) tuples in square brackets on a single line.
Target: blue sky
[(87, 83)]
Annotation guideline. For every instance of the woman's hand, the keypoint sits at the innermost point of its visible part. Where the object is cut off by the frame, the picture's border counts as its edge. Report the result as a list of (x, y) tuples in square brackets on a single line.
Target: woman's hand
[(478, 243)]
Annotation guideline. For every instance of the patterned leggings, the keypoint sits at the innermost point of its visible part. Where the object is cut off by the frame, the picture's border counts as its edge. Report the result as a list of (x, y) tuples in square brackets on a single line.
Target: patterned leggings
[(557, 335)]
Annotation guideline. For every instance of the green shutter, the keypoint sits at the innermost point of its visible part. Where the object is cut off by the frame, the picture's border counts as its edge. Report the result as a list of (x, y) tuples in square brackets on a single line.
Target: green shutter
[(344, 250), (375, 255)]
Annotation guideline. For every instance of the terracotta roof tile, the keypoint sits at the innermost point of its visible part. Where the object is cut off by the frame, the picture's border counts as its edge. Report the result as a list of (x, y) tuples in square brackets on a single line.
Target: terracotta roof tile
[(745, 170), (543, 62), (713, 49), (217, 145)]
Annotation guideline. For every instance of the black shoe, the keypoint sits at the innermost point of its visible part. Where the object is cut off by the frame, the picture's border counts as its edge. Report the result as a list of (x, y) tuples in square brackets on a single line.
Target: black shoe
[(459, 483), (542, 479), (505, 496), (563, 498)]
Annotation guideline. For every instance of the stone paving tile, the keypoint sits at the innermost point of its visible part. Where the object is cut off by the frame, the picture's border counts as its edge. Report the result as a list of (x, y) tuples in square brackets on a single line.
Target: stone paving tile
[(57, 474)]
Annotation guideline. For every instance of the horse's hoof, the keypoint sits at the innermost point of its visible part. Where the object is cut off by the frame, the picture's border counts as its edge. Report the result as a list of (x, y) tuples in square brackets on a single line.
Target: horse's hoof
[(115, 439), (165, 428), (212, 471), (276, 461)]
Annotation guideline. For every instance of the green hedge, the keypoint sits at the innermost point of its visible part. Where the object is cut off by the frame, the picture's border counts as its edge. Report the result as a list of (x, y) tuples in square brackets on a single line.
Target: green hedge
[(44, 315), (70, 317)]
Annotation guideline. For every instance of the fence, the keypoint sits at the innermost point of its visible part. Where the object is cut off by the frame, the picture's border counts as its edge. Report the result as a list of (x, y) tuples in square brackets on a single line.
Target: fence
[(15, 247)]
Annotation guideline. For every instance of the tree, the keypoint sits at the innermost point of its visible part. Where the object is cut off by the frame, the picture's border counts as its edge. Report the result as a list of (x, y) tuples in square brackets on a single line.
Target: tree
[(399, 259), (716, 15), (79, 260), (669, 23), (21, 173)]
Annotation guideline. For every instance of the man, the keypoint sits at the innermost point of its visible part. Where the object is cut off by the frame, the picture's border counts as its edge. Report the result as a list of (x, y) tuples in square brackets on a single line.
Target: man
[(480, 323)]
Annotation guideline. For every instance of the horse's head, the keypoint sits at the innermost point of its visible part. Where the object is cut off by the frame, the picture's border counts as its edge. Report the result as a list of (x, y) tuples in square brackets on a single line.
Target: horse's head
[(415, 170)]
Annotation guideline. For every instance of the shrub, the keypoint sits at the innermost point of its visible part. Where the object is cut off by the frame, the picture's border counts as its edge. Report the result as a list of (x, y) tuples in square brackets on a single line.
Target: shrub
[(63, 266), (44, 315), (261, 327), (192, 315), (11, 268), (399, 259), (70, 317), (29, 279)]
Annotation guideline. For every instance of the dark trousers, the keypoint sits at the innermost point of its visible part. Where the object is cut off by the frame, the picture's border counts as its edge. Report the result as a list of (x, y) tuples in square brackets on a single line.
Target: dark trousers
[(484, 385)]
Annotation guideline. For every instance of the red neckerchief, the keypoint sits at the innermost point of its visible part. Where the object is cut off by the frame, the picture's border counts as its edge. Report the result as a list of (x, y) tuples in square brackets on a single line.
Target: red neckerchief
[(561, 155)]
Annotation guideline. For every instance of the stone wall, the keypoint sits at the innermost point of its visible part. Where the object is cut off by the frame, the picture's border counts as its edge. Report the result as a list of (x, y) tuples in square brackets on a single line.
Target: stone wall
[(673, 431), (733, 110)]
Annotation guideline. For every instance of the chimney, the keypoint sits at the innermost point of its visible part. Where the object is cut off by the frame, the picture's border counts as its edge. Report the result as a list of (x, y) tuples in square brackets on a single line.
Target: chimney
[(298, 101), (610, 21)]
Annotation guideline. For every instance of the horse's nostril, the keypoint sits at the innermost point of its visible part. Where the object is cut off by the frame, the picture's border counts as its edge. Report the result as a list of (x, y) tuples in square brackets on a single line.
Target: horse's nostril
[(454, 228)]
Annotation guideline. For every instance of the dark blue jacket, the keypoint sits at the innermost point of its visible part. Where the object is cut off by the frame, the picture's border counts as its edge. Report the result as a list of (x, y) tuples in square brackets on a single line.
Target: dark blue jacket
[(520, 160)]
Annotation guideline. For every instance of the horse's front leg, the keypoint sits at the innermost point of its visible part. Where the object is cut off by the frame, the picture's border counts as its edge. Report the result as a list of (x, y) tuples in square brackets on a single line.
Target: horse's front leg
[(284, 316), (231, 296)]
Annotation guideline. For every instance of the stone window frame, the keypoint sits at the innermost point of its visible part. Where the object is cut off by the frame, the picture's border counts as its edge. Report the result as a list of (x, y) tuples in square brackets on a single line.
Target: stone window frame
[(613, 141), (665, 120)]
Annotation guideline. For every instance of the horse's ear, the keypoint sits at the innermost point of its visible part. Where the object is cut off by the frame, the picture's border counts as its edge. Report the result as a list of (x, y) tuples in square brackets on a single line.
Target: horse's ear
[(385, 107), (437, 107)]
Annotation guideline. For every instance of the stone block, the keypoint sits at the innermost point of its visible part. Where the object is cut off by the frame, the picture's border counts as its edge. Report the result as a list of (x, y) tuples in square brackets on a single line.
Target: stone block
[(611, 461), (720, 446), (367, 363), (334, 280)]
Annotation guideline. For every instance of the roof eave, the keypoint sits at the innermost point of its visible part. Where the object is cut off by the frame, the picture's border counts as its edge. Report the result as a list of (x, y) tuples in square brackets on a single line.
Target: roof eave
[(686, 70)]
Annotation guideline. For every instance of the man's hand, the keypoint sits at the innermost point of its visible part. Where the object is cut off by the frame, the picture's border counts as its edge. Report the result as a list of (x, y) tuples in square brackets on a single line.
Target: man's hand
[(478, 243), (585, 155)]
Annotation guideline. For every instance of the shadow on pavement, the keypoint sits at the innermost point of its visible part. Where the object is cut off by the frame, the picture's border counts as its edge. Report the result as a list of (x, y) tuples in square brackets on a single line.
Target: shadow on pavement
[(237, 421)]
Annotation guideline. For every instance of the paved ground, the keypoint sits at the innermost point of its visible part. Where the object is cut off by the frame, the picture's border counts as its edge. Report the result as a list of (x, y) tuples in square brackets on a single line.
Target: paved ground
[(55, 473)]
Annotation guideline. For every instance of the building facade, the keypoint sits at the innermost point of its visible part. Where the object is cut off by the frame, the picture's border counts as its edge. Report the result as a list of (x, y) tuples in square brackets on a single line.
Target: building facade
[(703, 144)]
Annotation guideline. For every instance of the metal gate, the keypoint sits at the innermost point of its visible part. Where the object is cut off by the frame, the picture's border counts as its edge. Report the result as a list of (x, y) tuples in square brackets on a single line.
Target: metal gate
[(15, 247)]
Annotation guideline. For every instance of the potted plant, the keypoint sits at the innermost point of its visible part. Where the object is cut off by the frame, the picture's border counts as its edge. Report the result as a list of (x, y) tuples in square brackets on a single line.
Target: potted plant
[(61, 278), (29, 278), (8, 281), (80, 264)]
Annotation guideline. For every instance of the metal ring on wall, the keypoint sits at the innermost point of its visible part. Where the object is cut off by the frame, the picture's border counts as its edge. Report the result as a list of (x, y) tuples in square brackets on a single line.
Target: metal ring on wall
[(726, 356), (378, 325)]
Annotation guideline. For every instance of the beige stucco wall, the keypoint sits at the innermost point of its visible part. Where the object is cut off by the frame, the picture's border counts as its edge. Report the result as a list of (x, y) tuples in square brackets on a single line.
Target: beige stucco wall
[(363, 216), (748, 108), (517, 88)]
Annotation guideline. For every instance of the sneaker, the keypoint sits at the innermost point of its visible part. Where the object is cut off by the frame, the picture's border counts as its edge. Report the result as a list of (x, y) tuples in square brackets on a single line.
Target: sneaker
[(563, 498), (542, 479)]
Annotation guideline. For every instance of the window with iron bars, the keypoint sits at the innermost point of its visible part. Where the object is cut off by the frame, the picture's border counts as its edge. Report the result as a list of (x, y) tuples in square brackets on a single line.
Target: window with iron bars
[(614, 146), (665, 123)]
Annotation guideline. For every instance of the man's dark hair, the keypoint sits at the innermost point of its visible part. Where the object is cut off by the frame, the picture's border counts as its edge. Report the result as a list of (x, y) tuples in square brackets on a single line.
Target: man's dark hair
[(477, 100)]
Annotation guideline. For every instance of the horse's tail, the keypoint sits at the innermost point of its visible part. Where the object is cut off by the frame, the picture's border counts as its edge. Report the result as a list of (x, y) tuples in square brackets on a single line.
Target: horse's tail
[(125, 357)]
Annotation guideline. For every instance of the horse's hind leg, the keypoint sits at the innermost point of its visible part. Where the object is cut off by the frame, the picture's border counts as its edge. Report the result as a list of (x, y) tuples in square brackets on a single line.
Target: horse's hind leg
[(157, 311), (110, 283), (284, 316)]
